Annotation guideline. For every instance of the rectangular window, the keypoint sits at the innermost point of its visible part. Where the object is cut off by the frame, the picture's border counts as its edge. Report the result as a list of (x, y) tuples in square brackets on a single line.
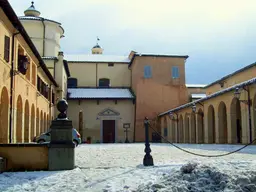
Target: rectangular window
[(7, 49), (111, 64), (147, 72), (175, 72)]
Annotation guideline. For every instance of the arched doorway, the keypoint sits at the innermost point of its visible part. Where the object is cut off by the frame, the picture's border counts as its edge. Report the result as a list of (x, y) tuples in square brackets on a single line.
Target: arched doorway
[(187, 128), (193, 128), (45, 123), (180, 131), (254, 115), (200, 126), (4, 111), (32, 135), (37, 122), (41, 122), (48, 122), (19, 114), (222, 123), (236, 124), (211, 125), (165, 128), (173, 130), (26, 122)]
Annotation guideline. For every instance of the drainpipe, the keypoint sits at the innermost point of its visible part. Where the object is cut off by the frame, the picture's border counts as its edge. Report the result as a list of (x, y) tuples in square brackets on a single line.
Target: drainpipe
[(43, 37), (11, 89)]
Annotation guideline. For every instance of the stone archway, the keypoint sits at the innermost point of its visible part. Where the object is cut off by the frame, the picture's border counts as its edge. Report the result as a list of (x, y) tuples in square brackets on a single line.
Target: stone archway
[(26, 122), (19, 115), (32, 135), (211, 125), (222, 123), (37, 122), (173, 131), (200, 126), (165, 129), (193, 128), (180, 131), (45, 123), (187, 128), (254, 115), (236, 121), (4, 111), (41, 122)]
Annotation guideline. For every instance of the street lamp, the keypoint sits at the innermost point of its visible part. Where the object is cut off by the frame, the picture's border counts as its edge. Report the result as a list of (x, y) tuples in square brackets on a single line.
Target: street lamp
[(193, 107), (148, 159), (247, 102)]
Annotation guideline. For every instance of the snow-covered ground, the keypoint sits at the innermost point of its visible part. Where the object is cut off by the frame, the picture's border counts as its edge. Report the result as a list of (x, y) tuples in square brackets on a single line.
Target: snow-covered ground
[(118, 167)]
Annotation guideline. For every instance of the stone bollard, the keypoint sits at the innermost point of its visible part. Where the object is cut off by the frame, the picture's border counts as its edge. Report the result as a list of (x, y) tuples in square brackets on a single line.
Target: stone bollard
[(61, 147)]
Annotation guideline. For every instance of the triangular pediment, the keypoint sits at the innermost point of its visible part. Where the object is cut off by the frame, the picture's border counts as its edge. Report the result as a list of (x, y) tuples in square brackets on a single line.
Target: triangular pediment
[(109, 112)]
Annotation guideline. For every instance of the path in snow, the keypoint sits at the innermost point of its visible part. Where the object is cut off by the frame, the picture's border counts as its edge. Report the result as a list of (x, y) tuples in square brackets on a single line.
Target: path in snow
[(118, 167)]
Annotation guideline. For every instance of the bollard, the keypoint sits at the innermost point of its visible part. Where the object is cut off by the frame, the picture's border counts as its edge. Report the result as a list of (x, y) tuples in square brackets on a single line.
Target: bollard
[(61, 148), (148, 159)]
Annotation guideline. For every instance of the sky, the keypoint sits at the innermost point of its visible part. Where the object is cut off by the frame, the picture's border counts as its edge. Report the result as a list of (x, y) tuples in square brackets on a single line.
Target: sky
[(218, 36)]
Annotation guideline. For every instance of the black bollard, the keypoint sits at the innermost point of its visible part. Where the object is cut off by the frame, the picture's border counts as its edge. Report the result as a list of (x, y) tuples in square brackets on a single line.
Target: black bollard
[(148, 159)]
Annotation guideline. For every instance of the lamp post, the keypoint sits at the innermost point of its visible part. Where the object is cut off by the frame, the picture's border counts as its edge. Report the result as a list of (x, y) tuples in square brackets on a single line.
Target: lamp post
[(248, 102), (193, 107), (148, 159)]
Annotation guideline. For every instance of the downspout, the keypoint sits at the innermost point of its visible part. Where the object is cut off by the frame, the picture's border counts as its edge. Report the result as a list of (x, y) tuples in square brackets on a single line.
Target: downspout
[(43, 37), (11, 89)]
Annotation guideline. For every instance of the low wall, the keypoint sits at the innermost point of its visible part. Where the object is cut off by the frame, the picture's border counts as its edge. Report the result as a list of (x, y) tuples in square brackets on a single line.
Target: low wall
[(25, 156)]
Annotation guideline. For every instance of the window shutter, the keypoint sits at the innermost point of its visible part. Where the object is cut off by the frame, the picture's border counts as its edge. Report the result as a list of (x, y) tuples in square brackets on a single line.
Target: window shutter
[(175, 72), (7, 49), (147, 72)]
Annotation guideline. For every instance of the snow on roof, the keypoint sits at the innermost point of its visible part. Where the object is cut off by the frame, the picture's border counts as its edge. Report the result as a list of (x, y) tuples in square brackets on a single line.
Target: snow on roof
[(198, 95), (196, 85), (97, 58), (99, 93)]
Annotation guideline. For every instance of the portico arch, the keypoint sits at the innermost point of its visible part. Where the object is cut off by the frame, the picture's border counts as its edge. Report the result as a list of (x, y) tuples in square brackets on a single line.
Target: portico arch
[(236, 124), (32, 132), (19, 114), (180, 131), (254, 115), (211, 125), (200, 126), (193, 128), (222, 123), (187, 128), (37, 122), (26, 122), (4, 111), (173, 130), (41, 122)]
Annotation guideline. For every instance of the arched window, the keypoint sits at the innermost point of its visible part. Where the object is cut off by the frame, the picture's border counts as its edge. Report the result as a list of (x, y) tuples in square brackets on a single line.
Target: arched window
[(104, 82)]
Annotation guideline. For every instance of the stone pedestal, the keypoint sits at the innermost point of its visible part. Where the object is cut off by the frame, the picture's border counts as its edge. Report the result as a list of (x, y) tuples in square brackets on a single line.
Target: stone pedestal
[(61, 148)]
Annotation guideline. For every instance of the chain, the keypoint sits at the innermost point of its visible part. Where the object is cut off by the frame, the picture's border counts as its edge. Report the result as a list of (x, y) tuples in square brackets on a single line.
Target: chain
[(201, 155)]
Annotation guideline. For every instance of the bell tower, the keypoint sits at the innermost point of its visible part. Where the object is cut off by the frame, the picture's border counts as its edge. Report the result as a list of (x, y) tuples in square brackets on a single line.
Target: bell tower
[(97, 48)]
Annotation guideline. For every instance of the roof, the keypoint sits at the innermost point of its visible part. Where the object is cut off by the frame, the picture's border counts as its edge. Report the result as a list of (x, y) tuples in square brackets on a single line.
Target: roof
[(231, 74), (40, 19), (195, 85), (100, 93), (5, 5), (96, 58), (198, 95), (56, 59), (155, 55), (96, 46), (240, 85)]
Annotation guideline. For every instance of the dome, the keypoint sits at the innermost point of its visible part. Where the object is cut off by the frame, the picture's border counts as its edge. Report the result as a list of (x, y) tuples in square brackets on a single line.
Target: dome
[(31, 11), (97, 46)]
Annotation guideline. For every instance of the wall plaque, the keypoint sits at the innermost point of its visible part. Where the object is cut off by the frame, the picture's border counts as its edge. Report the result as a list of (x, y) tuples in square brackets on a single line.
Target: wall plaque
[(126, 125)]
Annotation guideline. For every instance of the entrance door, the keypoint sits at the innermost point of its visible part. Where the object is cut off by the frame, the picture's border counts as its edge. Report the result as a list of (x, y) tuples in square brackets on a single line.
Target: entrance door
[(108, 131)]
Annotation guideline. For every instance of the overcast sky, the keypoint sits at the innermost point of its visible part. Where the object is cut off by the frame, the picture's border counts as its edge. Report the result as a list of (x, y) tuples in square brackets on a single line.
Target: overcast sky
[(218, 35)]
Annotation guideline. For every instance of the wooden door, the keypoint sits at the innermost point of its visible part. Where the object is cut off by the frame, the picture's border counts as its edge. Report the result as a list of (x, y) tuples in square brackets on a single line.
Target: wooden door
[(108, 131)]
